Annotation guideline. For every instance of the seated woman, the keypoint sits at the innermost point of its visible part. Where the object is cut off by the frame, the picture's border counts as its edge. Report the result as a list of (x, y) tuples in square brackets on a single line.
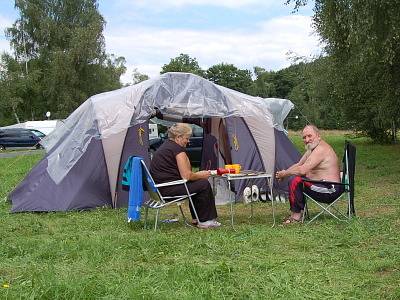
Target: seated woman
[(170, 162)]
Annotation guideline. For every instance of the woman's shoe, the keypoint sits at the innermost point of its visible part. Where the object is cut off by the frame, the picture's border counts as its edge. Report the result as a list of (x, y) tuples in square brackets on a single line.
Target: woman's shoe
[(209, 224)]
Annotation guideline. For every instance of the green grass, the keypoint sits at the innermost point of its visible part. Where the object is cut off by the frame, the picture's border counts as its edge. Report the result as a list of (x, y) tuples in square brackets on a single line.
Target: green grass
[(96, 254)]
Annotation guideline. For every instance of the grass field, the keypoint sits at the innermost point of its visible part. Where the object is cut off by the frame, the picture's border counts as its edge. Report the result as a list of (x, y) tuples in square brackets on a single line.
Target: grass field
[(97, 255)]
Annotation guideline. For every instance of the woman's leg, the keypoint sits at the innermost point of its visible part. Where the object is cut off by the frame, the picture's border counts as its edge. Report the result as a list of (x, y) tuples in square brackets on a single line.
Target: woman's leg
[(203, 201)]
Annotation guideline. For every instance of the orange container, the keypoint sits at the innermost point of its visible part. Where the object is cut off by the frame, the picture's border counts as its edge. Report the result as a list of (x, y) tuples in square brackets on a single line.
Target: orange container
[(235, 167)]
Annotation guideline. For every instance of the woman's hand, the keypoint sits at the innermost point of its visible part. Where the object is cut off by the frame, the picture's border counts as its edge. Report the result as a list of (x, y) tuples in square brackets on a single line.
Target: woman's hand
[(203, 174), (185, 169)]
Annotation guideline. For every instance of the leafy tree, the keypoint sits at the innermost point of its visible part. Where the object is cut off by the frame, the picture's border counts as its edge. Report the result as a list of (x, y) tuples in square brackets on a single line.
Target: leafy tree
[(19, 91), (314, 95), (183, 63), (231, 77), (264, 84), (362, 42), (60, 48), (138, 77), (276, 84)]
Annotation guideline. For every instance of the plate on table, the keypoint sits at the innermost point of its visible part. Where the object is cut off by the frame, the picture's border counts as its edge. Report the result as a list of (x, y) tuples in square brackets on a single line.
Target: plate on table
[(245, 173)]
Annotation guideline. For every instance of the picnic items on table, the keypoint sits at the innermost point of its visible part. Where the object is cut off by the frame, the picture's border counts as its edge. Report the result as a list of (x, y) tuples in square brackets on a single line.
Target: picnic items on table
[(229, 169)]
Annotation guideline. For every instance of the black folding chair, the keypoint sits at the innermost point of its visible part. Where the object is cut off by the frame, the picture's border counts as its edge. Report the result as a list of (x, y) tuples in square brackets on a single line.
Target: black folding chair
[(347, 181), (157, 201)]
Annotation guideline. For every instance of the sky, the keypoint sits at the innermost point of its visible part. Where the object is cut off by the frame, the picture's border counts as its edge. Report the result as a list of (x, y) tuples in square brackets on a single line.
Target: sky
[(246, 33)]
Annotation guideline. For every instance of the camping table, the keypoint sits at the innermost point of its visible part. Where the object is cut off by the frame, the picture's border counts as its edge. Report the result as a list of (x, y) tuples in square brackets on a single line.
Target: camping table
[(250, 175)]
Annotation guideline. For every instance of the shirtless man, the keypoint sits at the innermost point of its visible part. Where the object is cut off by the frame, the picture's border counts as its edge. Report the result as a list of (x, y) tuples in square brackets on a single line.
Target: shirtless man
[(318, 163)]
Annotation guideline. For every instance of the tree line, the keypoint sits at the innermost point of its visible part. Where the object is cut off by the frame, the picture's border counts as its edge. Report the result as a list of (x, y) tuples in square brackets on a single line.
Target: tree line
[(60, 60)]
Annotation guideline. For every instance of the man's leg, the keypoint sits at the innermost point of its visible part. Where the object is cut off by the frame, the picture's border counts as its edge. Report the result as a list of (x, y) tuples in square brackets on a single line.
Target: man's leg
[(296, 197), (324, 192)]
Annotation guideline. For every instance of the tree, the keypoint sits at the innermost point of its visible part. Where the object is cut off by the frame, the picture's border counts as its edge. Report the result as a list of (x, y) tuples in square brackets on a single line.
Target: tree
[(313, 94), (230, 76), (276, 84), (138, 77), (362, 42), (19, 91), (264, 85), (62, 43), (183, 63)]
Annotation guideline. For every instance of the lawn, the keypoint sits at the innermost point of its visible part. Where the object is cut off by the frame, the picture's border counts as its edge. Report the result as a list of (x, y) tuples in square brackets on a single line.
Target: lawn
[(96, 254)]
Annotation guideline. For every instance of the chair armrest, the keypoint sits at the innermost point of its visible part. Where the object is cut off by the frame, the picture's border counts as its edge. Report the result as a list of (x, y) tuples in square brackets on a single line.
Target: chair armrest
[(176, 182), (323, 181)]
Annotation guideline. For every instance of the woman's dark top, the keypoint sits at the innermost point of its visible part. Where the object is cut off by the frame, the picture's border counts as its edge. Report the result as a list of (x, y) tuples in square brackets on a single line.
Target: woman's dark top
[(163, 166)]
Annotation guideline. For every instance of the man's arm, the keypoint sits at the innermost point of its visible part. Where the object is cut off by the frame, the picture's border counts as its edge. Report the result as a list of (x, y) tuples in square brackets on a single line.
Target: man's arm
[(308, 162), (303, 158)]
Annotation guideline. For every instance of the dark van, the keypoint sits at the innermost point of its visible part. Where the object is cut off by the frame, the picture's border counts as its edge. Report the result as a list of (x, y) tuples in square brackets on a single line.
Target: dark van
[(18, 137)]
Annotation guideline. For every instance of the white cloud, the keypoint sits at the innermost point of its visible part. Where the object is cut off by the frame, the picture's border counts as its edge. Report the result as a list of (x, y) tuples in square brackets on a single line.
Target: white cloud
[(147, 49), (4, 23), (181, 3), (4, 46)]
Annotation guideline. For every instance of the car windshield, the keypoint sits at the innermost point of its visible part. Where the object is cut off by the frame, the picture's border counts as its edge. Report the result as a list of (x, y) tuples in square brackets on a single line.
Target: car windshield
[(163, 126), (38, 133)]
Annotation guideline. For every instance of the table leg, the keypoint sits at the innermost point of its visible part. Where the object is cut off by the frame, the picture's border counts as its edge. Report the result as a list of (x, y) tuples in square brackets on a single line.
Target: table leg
[(251, 202), (213, 186), (270, 184), (231, 202)]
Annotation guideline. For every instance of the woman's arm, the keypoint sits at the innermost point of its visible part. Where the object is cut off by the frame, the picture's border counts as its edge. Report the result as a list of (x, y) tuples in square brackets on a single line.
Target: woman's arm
[(185, 169)]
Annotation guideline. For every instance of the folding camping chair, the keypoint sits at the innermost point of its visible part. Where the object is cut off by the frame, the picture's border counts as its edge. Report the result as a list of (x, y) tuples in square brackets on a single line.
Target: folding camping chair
[(157, 201), (347, 181)]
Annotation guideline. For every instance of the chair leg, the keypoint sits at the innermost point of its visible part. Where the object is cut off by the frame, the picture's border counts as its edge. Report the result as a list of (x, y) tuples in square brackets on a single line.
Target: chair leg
[(305, 214), (156, 219), (183, 215), (349, 207), (191, 202), (326, 209), (146, 212)]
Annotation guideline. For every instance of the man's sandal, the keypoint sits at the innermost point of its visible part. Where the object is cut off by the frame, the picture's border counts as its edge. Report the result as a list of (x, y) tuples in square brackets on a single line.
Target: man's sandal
[(290, 220)]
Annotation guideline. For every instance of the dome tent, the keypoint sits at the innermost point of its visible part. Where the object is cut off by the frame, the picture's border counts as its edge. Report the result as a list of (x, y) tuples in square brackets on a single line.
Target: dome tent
[(83, 165)]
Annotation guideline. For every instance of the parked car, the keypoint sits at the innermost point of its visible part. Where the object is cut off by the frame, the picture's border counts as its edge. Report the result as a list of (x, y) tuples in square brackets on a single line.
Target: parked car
[(18, 137), (193, 148), (38, 133)]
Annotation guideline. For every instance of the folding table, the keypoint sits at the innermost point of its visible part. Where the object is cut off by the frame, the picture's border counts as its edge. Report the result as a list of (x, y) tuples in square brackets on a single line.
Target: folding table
[(250, 175)]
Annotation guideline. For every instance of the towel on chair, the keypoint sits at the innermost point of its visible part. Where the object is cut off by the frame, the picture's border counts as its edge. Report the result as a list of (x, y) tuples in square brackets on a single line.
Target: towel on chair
[(127, 173), (133, 172)]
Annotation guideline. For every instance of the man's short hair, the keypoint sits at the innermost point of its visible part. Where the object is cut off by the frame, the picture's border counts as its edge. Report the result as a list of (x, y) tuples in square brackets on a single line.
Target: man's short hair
[(313, 127)]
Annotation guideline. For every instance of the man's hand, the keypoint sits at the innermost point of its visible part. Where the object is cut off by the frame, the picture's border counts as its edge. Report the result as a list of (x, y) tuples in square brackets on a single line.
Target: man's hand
[(280, 175)]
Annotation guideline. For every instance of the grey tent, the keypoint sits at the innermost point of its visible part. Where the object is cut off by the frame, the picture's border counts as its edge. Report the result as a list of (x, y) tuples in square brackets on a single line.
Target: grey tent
[(85, 156)]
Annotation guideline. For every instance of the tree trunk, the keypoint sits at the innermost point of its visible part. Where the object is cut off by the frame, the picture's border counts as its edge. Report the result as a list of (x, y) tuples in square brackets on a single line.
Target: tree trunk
[(15, 115)]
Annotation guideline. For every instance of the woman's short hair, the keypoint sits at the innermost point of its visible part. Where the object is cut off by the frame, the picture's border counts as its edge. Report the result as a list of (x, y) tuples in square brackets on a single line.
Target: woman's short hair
[(179, 129)]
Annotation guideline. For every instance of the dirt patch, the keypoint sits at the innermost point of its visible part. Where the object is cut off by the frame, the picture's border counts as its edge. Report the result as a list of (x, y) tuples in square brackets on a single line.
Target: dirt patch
[(380, 210), (385, 272)]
